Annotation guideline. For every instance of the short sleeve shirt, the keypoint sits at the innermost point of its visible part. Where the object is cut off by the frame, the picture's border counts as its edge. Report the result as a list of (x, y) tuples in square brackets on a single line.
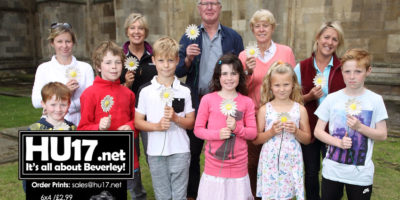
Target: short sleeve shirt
[(353, 166), (175, 139)]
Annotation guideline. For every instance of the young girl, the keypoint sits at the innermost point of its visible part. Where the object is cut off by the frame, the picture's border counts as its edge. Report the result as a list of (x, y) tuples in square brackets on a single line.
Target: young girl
[(282, 123), (226, 119)]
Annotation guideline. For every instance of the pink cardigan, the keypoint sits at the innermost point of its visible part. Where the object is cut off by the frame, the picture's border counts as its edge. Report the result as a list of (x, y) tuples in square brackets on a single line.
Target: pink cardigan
[(210, 120), (254, 82)]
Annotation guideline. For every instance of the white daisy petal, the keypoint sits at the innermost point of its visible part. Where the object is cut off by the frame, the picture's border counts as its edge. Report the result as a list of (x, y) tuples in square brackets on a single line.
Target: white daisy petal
[(319, 80), (252, 51), (192, 32), (107, 103), (228, 107), (283, 117), (353, 107), (167, 96), (62, 127), (72, 72), (131, 63)]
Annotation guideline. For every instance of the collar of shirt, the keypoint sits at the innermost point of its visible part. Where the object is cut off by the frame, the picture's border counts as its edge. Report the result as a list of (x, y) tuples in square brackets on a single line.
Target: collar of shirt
[(330, 64), (158, 86), (268, 53), (203, 30)]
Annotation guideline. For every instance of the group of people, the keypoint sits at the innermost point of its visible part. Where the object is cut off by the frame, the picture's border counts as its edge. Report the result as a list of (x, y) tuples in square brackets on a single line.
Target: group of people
[(262, 116)]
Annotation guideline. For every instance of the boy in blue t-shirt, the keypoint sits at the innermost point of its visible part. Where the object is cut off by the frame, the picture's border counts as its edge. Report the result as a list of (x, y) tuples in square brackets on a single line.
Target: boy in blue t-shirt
[(356, 118)]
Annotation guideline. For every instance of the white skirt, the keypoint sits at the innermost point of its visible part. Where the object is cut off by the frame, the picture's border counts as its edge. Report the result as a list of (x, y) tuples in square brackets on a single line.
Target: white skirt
[(220, 188)]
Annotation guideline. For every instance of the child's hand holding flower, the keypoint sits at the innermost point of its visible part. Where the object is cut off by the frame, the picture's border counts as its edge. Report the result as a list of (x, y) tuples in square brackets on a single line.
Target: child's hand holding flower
[(277, 127), (105, 123), (225, 133), (168, 112), (164, 124), (345, 142), (290, 127), (353, 108), (353, 122)]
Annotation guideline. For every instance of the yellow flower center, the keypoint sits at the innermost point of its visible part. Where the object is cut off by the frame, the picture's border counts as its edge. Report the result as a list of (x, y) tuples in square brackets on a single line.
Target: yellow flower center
[(106, 103), (252, 51), (192, 32), (228, 106), (284, 119), (353, 106), (73, 73), (131, 63), (166, 95), (319, 81)]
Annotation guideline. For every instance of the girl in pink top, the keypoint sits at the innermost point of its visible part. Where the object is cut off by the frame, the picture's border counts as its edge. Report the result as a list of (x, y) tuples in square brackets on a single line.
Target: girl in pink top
[(226, 119)]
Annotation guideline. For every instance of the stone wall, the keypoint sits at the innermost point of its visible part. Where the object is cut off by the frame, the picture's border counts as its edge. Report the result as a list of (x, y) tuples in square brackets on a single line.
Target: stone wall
[(17, 47)]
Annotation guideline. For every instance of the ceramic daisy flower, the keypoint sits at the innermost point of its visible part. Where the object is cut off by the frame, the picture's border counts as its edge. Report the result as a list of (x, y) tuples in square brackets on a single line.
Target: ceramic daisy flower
[(131, 63), (252, 50), (353, 107), (319, 80), (283, 117), (107, 103), (61, 127), (167, 95), (228, 107), (72, 73), (192, 32)]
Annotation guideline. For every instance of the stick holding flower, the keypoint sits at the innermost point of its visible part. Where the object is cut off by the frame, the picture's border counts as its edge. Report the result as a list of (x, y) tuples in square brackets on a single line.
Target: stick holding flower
[(167, 96), (106, 104), (283, 117), (228, 108), (353, 108), (72, 74)]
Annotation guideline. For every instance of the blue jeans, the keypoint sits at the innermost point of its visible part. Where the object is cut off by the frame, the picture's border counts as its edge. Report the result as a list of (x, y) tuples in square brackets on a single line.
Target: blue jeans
[(170, 175)]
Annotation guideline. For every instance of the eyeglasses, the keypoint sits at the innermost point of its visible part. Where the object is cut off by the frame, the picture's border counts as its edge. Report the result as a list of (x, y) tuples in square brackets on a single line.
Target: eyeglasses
[(212, 4), (58, 24)]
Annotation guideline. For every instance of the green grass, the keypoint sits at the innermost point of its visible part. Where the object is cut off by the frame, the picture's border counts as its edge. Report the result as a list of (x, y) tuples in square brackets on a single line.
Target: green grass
[(17, 111)]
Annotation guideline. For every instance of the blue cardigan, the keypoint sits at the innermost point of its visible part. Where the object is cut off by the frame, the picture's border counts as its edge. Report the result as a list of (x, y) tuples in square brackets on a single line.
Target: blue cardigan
[(231, 43)]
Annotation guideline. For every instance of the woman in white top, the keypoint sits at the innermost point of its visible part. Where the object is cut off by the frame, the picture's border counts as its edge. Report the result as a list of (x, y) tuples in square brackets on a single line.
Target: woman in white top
[(63, 67)]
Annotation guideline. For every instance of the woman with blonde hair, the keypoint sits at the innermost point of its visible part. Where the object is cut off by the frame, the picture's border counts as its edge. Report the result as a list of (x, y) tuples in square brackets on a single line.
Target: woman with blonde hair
[(256, 66), (318, 76), (142, 71), (65, 68)]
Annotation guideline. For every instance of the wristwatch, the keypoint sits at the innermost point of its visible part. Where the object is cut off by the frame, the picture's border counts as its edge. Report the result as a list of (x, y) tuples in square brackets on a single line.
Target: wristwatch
[(248, 72)]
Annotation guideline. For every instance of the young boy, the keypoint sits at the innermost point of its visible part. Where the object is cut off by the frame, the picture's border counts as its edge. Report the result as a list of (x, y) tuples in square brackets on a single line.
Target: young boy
[(107, 105), (356, 118), (164, 110), (56, 98)]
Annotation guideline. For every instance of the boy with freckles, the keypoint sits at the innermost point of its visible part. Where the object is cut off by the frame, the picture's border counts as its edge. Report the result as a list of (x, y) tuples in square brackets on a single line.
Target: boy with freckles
[(356, 119)]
